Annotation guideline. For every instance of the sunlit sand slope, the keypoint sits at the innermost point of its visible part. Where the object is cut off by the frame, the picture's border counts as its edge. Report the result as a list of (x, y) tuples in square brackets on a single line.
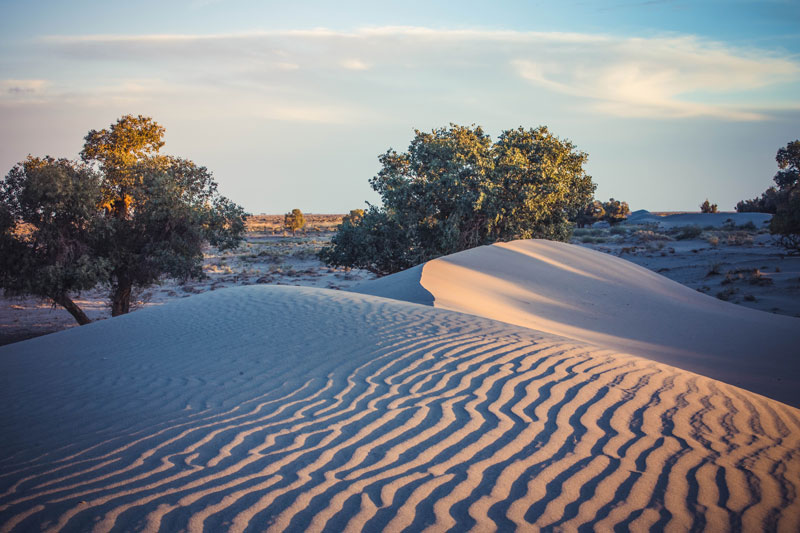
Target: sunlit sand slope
[(594, 297), (287, 408)]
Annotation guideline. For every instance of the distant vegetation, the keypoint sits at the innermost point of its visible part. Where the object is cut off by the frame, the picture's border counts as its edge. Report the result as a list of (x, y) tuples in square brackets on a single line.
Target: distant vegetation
[(456, 189), (612, 212), (294, 220), (784, 200), (124, 216), (615, 211), (708, 207)]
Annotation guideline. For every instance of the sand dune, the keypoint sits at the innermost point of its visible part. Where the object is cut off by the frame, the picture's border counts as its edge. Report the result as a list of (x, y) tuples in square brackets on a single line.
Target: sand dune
[(703, 220), (597, 298), (288, 408)]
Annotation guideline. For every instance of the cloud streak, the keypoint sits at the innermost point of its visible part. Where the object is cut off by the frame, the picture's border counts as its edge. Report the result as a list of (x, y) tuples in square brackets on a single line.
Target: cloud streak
[(657, 77)]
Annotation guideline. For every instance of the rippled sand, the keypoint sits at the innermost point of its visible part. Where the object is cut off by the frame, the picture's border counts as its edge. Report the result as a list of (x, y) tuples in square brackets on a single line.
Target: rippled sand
[(300, 409)]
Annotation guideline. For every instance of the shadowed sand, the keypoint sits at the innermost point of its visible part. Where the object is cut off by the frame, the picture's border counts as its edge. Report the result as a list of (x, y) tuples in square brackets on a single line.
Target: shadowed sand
[(604, 300), (301, 409)]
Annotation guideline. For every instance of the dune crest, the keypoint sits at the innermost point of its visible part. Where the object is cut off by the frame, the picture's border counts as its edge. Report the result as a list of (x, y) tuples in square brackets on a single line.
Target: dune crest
[(597, 298), (287, 408)]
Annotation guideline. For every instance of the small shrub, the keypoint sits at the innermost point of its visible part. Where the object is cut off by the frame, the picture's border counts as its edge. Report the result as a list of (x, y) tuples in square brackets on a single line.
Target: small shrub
[(749, 226), (647, 236), (707, 207), (714, 270), (294, 221), (726, 294), (618, 230), (739, 238), (689, 232)]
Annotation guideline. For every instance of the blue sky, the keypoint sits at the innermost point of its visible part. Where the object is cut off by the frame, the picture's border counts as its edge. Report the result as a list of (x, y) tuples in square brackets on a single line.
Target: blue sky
[(290, 103)]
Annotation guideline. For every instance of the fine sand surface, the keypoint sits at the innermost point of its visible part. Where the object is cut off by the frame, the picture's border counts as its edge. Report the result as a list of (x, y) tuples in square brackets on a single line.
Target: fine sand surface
[(759, 220), (597, 298), (306, 409)]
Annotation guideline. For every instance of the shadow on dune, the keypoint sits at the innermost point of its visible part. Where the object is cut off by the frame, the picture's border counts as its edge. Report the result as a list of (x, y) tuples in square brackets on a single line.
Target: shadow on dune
[(593, 297)]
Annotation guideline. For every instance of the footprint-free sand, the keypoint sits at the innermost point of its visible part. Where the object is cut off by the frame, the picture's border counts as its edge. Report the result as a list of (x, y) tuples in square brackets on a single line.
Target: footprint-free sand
[(524, 386)]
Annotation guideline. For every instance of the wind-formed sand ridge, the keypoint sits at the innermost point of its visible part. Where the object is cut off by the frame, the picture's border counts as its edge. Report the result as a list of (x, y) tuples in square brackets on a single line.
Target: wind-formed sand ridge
[(286, 408), (597, 298)]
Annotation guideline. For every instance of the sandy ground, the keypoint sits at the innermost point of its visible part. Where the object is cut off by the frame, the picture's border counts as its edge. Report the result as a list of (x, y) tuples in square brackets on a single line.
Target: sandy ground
[(742, 266), (597, 298), (267, 408), (522, 386)]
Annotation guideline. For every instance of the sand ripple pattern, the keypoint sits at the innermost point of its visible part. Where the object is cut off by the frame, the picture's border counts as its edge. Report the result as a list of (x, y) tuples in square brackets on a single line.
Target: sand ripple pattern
[(412, 419)]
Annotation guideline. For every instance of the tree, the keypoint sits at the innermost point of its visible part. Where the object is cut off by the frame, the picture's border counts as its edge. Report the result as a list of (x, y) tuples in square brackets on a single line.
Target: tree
[(767, 203), (786, 220), (593, 212), (145, 216), (294, 221), (615, 211), (455, 189), (707, 207), (48, 224), (354, 216)]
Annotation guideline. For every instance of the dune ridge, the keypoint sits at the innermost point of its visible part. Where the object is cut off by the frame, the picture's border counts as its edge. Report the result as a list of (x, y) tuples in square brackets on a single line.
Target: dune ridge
[(287, 408), (598, 298)]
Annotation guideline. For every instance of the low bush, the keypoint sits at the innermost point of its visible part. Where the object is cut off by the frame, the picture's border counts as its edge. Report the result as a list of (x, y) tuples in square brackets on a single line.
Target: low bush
[(689, 232)]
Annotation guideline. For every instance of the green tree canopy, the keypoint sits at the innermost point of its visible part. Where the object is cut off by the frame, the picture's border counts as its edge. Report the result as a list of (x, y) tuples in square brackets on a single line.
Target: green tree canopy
[(786, 220), (133, 215), (593, 212), (456, 189), (48, 229), (615, 211)]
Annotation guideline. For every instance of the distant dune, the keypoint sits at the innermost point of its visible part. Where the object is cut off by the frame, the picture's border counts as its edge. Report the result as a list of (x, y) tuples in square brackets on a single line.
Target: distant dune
[(301, 409), (716, 220)]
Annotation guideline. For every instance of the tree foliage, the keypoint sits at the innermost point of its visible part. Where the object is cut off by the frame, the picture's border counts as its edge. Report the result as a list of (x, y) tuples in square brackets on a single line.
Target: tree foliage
[(786, 220), (708, 207), (615, 211), (48, 227), (766, 203), (354, 216), (455, 189), (593, 212), (125, 217), (294, 220)]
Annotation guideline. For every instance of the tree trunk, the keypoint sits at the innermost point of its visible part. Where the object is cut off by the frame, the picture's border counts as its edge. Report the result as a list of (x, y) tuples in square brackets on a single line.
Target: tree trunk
[(73, 309), (121, 298)]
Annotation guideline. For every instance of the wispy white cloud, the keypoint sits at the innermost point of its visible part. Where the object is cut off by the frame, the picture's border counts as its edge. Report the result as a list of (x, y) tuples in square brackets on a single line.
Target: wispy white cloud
[(657, 77), (354, 64)]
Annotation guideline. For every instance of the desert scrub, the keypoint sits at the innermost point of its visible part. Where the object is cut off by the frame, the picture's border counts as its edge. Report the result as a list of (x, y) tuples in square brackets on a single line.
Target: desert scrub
[(714, 270), (751, 275), (739, 238), (689, 232), (618, 230), (726, 294), (649, 235)]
